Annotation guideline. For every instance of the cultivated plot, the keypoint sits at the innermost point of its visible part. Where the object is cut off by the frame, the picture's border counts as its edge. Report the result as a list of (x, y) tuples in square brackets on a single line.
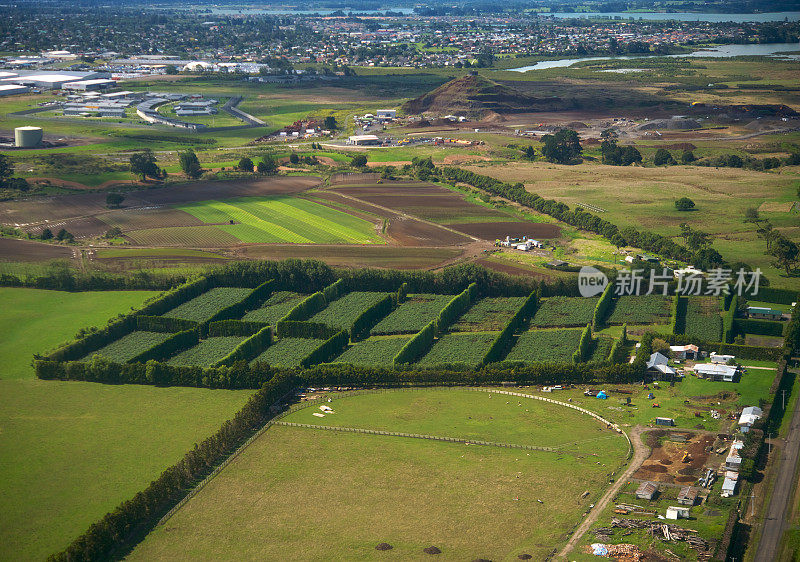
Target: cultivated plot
[(467, 348), (205, 306), (641, 309), (488, 314), (545, 346), (129, 346), (288, 352), (206, 353), (373, 352), (275, 307), (344, 311), (564, 311), (413, 314)]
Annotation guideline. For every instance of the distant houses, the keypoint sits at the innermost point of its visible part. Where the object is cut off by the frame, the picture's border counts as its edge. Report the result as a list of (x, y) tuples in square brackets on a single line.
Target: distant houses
[(716, 372), (658, 368), (646, 491), (750, 415)]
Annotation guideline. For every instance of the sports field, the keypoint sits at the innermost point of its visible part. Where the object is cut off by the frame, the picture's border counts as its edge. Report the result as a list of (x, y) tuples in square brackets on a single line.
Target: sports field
[(316, 494)]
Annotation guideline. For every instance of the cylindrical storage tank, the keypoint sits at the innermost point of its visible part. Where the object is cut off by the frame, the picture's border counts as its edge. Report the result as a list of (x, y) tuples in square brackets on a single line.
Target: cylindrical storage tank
[(27, 137)]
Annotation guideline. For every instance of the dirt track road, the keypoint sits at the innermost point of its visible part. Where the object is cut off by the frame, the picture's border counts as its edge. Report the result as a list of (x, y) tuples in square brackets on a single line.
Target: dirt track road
[(640, 453), (775, 521)]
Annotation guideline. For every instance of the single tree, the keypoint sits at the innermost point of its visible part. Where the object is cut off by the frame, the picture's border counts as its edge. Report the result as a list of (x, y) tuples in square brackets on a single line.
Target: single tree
[(190, 165), (267, 166), (294, 158), (684, 204), (171, 69), (663, 157), (113, 232), (62, 234), (751, 215), (785, 252), (359, 161), (562, 147), (687, 157), (529, 153), (143, 164), (6, 170), (114, 200), (46, 234), (245, 164), (330, 123)]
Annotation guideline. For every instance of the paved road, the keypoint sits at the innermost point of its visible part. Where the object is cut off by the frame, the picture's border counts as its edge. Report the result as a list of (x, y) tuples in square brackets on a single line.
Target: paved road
[(640, 453), (775, 522)]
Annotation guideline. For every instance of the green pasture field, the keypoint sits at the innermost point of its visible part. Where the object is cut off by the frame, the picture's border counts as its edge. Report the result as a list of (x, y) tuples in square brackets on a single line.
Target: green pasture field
[(641, 309), (283, 219), (564, 311), (545, 346), (36, 321), (275, 307), (96, 445), (342, 312), (703, 320), (467, 348), (413, 314), (288, 352), (73, 451), (322, 494), (129, 346), (206, 353), (203, 307), (488, 314), (644, 197), (377, 351)]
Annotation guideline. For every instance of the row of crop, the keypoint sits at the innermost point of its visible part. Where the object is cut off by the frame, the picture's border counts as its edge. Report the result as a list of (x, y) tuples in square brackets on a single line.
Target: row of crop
[(168, 347), (109, 537), (301, 329), (603, 305), (503, 340), (164, 324)]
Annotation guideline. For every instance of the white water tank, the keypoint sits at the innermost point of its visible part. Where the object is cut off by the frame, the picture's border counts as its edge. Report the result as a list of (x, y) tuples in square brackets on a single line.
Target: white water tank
[(27, 137)]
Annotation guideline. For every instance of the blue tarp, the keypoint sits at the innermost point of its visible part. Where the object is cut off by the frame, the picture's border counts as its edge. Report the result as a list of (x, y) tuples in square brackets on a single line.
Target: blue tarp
[(602, 395)]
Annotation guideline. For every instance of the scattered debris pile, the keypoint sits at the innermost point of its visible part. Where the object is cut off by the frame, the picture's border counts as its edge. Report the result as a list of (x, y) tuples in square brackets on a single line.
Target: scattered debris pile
[(662, 531), (619, 552)]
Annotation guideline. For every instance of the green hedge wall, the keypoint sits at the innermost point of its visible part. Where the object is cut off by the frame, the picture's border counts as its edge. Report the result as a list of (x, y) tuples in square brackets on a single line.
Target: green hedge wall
[(778, 296), (584, 346), (618, 351), (168, 347), (164, 324), (758, 327), (110, 537), (306, 308), (727, 320), (249, 348), (234, 328), (237, 310), (367, 319), (678, 322), (298, 329), (402, 293), (456, 307), (502, 342), (332, 347), (334, 290), (602, 306), (417, 346)]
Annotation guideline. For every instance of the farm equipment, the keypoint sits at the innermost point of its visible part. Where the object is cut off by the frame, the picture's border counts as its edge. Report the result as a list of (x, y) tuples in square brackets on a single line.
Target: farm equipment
[(656, 405), (686, 457)]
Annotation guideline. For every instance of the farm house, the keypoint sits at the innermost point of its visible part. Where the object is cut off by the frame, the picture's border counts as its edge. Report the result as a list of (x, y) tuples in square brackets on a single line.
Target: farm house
[(687, 496), (675, 512), (684, 351), (646, 491), (750, 415), (719, 373), (763, 313)]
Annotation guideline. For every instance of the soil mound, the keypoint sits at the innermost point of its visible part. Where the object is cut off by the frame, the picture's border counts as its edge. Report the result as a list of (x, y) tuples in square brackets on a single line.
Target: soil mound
[(384, 546), (477, 97), (431, 550), (524, 556)]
